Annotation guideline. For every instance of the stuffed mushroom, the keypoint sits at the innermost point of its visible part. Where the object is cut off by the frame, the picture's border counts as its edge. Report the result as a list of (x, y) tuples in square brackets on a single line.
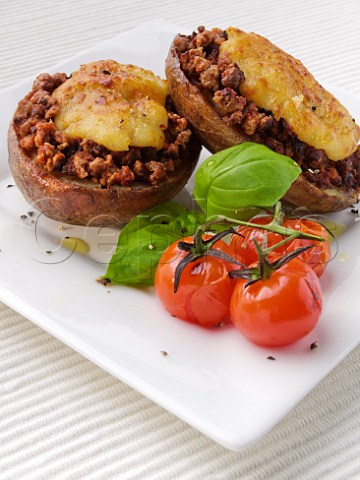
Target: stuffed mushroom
[(234, 87), (100, 146)]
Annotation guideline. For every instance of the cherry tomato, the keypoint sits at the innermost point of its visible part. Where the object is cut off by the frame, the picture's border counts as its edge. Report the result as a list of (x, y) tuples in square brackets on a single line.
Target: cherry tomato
[(244, 245), (280, 309), (317, 257), (205, 288)]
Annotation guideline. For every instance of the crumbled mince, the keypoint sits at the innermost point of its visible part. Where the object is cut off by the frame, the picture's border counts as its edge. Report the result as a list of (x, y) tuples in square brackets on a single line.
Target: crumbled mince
[(23, 217), (31, 213), (355, 211), (270, 357), (54, 151), (213, 71)]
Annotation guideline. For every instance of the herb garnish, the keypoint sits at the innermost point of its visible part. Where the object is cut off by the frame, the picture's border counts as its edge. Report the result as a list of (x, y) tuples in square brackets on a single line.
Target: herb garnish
[(234, 181), (143, 240)]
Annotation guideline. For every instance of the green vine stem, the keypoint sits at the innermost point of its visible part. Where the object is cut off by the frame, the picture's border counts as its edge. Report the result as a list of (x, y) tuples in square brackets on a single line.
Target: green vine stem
[(273, 226), (200, 247)]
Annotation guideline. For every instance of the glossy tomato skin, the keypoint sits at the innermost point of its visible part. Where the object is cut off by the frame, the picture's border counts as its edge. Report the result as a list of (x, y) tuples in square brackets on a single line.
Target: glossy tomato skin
[(243, 245), (204, 291), (281, 309), (318, 256)]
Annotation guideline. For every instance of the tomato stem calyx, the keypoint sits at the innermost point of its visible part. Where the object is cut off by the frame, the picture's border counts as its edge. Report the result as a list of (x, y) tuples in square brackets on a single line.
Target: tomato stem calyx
[(201, 248), (265, 268)]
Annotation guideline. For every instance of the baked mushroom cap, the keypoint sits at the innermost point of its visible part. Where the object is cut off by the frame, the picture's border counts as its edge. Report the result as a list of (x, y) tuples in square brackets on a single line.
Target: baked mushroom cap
[(303, 193), (195, 101), (82, 202), (82, 181)]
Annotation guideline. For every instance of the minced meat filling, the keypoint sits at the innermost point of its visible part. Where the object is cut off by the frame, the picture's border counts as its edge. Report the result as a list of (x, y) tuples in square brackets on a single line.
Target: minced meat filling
[(220, 80), (84, 159)]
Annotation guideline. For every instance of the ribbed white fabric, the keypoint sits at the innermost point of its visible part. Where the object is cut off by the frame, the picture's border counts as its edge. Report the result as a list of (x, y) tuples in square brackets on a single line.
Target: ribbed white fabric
[(61, 417)]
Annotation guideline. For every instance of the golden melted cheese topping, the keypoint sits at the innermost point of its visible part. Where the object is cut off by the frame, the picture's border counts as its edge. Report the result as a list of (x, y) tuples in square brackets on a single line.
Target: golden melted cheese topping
[(114, 105), (278, 82)]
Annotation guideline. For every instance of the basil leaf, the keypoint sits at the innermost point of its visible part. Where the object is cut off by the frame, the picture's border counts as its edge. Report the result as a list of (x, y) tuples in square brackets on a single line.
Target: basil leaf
[(188, 222), (163, 214), (138, 253), (144, 239), (247, 175)]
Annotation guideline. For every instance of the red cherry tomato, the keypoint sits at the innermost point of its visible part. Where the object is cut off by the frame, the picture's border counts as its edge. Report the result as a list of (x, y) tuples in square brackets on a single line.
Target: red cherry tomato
[(243, 245), (280, 309), (205, 288), (317, 257)]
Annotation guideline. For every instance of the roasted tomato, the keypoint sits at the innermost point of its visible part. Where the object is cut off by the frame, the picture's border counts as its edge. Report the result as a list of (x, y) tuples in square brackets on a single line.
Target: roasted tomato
[(243, 245), (280, 309), (317, 257), (204, 290)]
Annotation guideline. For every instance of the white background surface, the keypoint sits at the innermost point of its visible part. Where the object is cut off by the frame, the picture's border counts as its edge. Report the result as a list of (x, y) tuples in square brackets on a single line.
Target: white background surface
[(61, 417)]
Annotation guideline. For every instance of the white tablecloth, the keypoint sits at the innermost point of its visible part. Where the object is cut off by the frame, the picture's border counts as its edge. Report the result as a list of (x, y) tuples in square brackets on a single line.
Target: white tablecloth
[(63, 417)]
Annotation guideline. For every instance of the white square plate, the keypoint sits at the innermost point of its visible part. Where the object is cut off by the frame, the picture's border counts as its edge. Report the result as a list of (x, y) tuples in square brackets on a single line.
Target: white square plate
[(213, 379)]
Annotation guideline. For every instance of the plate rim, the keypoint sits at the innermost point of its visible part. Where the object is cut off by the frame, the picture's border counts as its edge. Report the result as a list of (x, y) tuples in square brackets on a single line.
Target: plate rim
[(41, 319)]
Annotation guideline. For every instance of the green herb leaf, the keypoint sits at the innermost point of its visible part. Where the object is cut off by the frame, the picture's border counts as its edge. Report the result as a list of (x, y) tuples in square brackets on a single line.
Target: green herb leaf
[(143, 240), (162, 214), (137, 254), (188, 222), (234, 181)]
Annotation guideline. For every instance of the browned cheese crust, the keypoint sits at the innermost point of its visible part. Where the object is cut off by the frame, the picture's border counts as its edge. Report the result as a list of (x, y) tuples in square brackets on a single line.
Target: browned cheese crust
[(77, 181), (324, 185)]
